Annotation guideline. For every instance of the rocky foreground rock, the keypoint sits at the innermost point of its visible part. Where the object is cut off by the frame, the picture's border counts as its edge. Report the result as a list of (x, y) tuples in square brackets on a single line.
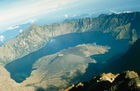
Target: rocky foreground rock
[(126, 81)]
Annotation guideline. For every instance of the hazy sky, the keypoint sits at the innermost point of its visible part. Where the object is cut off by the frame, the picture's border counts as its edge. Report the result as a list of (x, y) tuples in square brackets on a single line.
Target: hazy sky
[(16, 12)]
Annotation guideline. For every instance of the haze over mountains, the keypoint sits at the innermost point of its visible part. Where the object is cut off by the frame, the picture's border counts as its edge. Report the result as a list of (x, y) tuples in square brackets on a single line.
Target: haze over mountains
[(54, 56)]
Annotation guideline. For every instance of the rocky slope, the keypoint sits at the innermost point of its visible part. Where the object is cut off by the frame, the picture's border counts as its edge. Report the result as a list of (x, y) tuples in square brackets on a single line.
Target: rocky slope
[(126, 81), (121, 26)]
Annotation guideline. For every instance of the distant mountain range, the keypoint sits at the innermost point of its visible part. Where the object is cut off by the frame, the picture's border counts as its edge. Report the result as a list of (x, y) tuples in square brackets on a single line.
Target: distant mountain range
[(57, 55)]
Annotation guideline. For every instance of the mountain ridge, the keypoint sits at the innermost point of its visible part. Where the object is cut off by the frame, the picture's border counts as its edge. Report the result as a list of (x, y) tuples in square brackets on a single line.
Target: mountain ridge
[(68, 44), (35, 37)]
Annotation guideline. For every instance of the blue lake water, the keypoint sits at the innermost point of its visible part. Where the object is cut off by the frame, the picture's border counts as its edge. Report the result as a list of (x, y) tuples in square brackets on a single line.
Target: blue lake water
[(21, 68)]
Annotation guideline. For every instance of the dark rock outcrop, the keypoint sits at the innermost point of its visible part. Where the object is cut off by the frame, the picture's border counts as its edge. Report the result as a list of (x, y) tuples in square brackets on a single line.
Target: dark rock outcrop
[(126, 81)]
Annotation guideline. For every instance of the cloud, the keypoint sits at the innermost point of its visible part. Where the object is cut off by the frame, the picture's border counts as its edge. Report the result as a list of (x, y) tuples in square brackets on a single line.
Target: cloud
[(23, 10), (66, 16), (127, 12), (32, 21), (115, 12), (1, 38), (29, 21), (13, 27), (20, 30), (74, 15), (18, 26)]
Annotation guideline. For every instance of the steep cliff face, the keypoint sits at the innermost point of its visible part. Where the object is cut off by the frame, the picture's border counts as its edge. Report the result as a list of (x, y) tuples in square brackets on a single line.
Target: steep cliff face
[(121, 26), (129, 61)]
